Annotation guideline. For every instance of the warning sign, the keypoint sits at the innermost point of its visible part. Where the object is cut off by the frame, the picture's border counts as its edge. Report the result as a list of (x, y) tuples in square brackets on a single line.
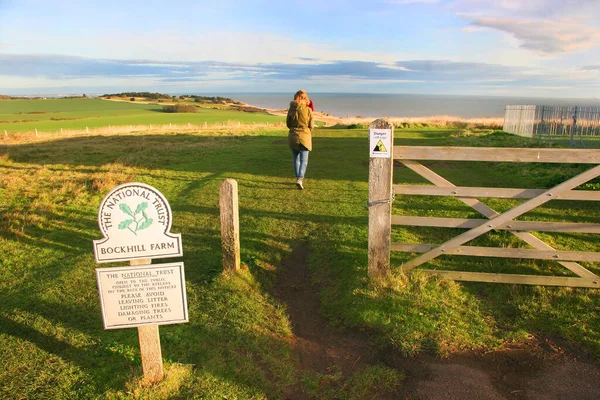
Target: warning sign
[(380, 147), (380, 143)]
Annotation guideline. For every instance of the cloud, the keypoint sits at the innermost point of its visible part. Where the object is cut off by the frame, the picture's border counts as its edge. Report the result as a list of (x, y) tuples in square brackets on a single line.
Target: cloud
[(543, 9), (545, 27), (59, 66), (62, 67), (226, 46), (23, 71), (546, 37)]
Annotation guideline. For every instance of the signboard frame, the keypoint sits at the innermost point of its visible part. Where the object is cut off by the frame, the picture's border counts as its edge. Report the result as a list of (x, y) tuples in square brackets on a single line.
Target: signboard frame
[(140, 272)]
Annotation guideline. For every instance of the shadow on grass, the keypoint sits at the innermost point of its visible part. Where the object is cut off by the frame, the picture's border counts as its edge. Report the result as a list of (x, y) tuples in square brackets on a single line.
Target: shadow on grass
[(104, 365), (339, 257), (111, 359), (258, 155)]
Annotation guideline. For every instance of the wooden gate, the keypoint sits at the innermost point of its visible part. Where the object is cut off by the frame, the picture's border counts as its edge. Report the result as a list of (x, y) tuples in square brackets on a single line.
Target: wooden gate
[(411, 157)]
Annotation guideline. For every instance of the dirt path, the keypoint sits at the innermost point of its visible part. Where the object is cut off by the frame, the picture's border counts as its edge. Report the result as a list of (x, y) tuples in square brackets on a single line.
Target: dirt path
[(543, 371), (319, 348)]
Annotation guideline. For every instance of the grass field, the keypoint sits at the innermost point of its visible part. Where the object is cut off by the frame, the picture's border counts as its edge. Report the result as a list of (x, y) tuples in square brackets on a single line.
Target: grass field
[(236, 344), (51, 115)]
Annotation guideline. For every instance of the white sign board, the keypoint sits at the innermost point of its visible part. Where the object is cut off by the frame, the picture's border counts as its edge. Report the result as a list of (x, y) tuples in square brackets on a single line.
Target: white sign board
[(135, 220), (380, 142), (142, 295)]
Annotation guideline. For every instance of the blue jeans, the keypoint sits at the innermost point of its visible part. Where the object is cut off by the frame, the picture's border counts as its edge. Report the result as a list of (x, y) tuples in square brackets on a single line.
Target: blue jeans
[(300, 161)]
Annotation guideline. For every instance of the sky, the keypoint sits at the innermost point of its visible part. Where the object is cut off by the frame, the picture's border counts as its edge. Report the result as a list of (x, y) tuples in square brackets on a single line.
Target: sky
[(536, 48)]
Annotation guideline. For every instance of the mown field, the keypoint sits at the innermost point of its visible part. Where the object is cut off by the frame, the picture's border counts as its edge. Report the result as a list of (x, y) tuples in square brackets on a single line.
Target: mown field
[(237, 343), (50, 115)]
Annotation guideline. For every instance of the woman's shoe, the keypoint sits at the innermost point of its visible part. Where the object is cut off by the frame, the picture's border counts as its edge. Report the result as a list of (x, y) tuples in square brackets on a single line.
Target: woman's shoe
[(299, 183)]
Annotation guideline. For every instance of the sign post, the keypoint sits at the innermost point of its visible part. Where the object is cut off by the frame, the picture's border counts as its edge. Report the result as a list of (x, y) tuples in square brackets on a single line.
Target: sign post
[(135, 220), (381, 142), (230, 224)]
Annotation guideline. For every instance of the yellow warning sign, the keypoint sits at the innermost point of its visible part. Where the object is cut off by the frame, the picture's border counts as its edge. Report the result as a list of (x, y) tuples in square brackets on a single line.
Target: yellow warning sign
[(380, 147), (380, 143)]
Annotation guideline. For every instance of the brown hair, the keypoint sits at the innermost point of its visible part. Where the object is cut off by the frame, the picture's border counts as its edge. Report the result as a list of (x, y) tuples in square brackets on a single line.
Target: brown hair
[(301, 95)]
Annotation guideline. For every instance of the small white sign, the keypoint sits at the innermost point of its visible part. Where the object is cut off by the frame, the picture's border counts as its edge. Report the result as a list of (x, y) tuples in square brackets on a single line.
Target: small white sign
[(135, 220), (380, 142), (142, 295)]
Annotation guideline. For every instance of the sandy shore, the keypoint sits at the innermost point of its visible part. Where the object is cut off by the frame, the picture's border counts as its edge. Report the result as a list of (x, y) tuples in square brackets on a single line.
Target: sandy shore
[(330, 120), (397, 120)]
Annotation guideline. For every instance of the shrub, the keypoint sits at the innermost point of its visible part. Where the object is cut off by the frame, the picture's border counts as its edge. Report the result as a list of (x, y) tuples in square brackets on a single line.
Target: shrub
[(132, 99), (458, 125), (356, 126), (179, 108)]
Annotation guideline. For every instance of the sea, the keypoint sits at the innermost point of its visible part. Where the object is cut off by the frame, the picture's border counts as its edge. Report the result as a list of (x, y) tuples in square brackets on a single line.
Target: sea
[(405, 105)]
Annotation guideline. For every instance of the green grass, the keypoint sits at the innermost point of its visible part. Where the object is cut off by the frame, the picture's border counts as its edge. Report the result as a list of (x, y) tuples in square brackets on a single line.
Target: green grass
[(51, 115), (236, 344)]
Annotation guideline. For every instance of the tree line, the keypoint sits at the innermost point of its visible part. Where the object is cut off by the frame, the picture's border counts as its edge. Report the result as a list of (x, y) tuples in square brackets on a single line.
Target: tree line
[(162, 96)]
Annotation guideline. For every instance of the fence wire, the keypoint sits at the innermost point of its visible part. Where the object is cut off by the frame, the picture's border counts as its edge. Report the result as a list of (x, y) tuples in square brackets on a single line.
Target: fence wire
[(572, 126)]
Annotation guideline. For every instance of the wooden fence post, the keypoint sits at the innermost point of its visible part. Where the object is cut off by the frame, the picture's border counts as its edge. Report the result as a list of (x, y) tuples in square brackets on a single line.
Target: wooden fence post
[(149, 338), (230, 224), (380, 203)]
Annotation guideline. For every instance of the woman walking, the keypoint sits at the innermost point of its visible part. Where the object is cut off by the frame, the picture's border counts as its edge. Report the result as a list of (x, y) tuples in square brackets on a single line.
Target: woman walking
[(300, 123)]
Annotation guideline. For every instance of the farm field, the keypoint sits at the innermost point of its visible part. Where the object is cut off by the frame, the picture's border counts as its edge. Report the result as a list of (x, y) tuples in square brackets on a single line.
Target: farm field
[(50, 115), (239, 341)]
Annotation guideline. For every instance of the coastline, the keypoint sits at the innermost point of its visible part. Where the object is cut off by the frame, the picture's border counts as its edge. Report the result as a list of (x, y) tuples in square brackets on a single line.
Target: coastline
[(362, 108), (331, 120)]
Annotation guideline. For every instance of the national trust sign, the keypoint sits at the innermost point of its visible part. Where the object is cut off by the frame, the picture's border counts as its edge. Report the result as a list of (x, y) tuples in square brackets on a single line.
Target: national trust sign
[(135, 220)]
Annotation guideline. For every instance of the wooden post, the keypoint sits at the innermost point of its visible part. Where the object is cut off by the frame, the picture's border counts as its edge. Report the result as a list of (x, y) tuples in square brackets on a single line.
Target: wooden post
[(149, 338), (87, 130), (380, 207), (36, 134), (230, 224), (5, 133)]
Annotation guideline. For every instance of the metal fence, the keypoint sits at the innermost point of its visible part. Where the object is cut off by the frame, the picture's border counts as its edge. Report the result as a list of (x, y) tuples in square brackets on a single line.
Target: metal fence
[(574, 126)]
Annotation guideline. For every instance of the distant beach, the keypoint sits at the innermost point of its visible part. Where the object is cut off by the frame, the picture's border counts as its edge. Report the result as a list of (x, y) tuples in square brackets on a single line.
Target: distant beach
[(368, 105)]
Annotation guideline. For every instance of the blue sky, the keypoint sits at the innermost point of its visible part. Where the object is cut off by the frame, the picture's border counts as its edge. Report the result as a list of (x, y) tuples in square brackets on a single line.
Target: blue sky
[(539, 48)]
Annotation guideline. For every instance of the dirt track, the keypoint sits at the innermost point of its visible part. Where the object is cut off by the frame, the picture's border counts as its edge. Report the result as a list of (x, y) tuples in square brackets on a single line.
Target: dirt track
[(543, 371)]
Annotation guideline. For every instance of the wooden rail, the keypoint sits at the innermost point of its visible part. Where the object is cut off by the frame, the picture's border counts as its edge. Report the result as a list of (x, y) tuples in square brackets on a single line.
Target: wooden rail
[(411, 156)]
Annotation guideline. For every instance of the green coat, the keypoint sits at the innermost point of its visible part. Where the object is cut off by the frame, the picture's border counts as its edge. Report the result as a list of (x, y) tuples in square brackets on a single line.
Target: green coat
[(300, 122)]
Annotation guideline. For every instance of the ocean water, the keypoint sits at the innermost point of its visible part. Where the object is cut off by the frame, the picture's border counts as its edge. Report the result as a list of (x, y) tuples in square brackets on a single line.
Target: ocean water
[(404, 105)]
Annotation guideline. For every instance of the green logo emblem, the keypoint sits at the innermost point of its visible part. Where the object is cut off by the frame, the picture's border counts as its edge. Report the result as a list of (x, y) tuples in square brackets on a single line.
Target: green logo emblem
[(141, 222)]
